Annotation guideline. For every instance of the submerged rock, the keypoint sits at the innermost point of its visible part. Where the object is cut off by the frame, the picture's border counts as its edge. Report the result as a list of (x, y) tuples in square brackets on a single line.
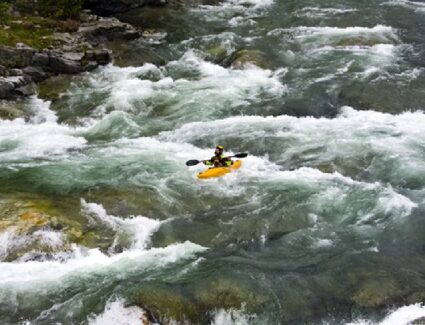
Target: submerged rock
[(244, 58), (197, 305)]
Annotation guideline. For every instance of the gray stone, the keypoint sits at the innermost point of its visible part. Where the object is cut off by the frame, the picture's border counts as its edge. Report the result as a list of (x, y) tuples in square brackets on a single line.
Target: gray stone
[(73, 56), (16, 57), (26, 90), (108, 28), (15, 72), (6, 88), (3, 71), (41, 59), (35, 73), (58, 64)]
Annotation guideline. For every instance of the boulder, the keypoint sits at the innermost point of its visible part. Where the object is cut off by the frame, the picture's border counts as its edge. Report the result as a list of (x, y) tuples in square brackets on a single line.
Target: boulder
[(35, 73), (41, 59), (16, 57), (108, 28), (244, 58), (3, 71), (6, 88)]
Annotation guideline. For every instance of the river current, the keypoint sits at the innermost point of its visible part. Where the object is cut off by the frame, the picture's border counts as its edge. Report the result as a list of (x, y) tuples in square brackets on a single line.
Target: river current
[(100, 218)]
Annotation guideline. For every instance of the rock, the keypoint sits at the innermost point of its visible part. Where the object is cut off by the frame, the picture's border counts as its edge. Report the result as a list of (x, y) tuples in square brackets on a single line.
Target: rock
[(35, 73), (10, 113), (73, 56), (16, 86), (103, 7), (41, 59), (16, 57), (101, 56), (26, 90), (168, 306), (244, 58), (3, 71), (15, 72), (59, 64), (109, 29), (6, 88), (216, 54)]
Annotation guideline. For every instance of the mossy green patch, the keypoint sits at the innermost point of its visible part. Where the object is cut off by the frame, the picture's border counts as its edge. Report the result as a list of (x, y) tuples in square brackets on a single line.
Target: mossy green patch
[(33, 31)]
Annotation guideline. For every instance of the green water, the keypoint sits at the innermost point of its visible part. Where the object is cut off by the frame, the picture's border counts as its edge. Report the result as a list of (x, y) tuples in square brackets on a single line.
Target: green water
[(322, 224)]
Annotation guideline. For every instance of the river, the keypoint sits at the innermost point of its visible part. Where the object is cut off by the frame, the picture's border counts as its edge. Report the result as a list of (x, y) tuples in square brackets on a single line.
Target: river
[(101, 219)]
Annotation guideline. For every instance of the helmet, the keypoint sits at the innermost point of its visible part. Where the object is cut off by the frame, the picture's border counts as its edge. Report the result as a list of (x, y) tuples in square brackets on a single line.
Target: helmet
[(220, 147), (219, 150)]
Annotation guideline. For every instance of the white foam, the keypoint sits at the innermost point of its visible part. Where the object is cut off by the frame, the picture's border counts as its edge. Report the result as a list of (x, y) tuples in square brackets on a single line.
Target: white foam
[(42, 112), (401, 316), (379, 30), (232, 317), (213, 85), (316, 12), (139, 227), (11, 240), (413, 5), (91, 262), (116, 313), (41, 137)]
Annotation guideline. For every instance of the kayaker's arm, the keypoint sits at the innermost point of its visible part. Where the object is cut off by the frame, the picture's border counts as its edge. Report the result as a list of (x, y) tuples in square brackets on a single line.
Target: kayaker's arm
[(207, 162)]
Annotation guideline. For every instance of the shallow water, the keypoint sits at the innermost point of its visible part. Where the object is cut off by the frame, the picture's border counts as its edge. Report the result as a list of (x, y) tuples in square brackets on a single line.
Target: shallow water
[(100, 219)]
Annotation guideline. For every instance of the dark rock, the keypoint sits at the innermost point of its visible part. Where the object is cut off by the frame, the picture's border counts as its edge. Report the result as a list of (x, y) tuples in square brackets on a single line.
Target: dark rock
[(59, 64), (41, 59), (16, 86), (16, 57), (102, 56), (26, 90), (35, 73), (3, 71), (108, 29), (110, 7), (244, 58), (6, 88)]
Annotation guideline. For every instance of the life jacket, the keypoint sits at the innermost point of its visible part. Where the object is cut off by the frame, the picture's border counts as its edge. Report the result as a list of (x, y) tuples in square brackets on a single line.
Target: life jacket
[(221, 161)]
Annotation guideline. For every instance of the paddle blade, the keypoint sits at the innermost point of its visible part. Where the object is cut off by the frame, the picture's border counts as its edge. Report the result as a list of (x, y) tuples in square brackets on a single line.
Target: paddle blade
[(241, 155), (192, 162)]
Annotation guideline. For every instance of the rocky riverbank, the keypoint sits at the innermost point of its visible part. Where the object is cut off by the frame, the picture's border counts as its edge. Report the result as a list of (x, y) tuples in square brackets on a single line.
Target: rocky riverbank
[(66, 52)]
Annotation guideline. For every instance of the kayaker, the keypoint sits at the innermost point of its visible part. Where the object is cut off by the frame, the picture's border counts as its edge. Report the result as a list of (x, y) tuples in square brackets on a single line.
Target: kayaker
[(218, 160)]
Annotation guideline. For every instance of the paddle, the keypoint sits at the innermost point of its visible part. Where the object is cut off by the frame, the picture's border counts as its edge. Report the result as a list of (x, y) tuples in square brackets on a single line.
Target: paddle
[(195, 162)]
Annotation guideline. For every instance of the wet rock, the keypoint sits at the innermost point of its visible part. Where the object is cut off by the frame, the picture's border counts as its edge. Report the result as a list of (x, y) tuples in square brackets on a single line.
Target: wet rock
[(167, 306), (35, 73), (101, 56), (15, 86), (10, 113), (226, 294), (216, 54), (245, 58), (26, 90)]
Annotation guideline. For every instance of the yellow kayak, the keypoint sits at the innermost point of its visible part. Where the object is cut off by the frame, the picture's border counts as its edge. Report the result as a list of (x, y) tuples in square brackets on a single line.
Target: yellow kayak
[(219, 171)]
